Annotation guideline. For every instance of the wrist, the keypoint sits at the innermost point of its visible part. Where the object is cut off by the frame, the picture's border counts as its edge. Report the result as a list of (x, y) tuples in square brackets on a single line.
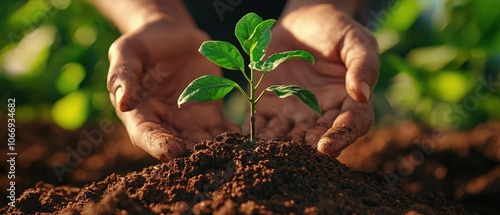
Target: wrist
[(337, 6), (130, 15), (173, 12)]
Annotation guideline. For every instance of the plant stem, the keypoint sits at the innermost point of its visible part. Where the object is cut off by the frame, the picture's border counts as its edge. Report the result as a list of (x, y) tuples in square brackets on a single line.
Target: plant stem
[(252, 107), (260, 80), (260, 96), (257, 86)]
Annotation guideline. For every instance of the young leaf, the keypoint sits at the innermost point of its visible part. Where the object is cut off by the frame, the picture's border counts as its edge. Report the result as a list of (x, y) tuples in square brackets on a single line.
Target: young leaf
[(224, 54), (259, 50), (276, 59), (283, 91), (206, 88), (259, 40), (245, 27)]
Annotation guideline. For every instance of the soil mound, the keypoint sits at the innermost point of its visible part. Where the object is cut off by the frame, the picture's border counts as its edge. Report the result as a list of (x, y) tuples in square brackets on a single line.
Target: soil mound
[(231, 176)]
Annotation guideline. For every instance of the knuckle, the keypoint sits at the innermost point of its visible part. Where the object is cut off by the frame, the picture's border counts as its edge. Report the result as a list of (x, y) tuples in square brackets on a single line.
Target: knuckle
[(120, 76), (111, 82), (115, 72), (116, 47)]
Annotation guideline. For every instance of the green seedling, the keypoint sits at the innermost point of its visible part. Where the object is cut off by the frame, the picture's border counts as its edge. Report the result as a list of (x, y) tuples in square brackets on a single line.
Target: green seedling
[(254, 35)]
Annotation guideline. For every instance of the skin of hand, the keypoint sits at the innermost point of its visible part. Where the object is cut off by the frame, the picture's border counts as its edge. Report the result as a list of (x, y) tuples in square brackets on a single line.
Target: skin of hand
[(149, 68), (344, 72)]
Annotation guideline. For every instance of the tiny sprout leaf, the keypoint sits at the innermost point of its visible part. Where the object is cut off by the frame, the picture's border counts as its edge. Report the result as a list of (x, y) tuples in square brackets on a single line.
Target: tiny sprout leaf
[(224, 54), (206, 88), (283, 91), (245, 27), (259, 40), (276, 59)]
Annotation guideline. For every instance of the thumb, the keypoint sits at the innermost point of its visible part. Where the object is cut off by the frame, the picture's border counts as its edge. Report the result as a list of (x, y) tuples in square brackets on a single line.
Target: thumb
[(355, 121), (157, 141), (148, 134)]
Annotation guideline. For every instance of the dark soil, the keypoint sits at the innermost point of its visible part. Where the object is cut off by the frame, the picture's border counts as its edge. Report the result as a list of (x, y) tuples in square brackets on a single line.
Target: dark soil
[(228, 175), (41, 147), (464, 166)]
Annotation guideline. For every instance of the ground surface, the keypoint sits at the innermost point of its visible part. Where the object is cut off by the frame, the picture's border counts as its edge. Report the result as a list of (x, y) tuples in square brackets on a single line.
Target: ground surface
[(274, 177)]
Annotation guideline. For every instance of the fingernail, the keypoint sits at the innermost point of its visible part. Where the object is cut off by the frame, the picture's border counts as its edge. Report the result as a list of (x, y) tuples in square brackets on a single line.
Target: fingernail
[(119, 96), (324, 145), (366, 90), (325, 148)]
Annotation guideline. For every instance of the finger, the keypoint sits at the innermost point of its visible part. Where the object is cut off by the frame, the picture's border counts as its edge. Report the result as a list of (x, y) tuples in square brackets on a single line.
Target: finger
[(299, 130), (360, 55), (124, 75), (322, 125), (147, 133), (277, 126), (355, 121), (157, 141)]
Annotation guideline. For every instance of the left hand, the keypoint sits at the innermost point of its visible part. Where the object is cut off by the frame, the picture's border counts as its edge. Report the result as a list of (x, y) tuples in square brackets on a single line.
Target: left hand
[(344, 72), (149, 68)]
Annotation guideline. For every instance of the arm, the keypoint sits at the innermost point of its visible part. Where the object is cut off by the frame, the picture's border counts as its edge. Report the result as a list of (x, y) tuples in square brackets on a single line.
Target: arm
[(130, 15)]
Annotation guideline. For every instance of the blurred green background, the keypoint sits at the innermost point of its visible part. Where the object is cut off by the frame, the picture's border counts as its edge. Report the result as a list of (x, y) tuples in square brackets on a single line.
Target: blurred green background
[(440, 61), (53, 60)]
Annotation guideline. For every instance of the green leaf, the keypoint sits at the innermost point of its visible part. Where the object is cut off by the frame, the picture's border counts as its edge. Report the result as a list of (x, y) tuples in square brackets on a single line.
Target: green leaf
[(259, 50), (283, 91), (206, 88), (224, 54), (259, 40), (276, 59), (245, 27)]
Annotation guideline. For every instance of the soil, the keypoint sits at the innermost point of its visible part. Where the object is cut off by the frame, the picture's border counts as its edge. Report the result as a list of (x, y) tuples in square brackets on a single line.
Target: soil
[(229, 175)]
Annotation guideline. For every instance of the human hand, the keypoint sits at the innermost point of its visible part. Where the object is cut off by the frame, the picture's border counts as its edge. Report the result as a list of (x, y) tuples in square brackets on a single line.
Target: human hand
[(345, 71), (149, 68)]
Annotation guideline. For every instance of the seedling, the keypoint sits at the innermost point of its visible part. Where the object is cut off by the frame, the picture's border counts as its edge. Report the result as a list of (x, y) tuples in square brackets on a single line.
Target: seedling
[(254, 35)]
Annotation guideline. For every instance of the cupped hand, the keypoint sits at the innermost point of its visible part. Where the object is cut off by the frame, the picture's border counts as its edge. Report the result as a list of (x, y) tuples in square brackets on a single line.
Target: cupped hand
[(149, 68), (345, 71)]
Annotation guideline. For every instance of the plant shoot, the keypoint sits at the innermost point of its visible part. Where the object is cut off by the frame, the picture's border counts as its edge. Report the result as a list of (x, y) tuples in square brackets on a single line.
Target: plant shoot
[(254, 35)]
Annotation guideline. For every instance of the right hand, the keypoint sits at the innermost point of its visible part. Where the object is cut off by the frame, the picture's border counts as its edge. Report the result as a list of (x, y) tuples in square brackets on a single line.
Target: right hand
[(344, 72), (149, 68)]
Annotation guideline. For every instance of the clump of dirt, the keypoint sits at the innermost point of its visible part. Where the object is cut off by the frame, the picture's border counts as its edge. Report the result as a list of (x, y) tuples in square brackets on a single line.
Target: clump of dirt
[(231, 176)]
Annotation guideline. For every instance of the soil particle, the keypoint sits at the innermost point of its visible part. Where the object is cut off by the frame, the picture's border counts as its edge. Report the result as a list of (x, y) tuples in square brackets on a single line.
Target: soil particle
[(231, 176)]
